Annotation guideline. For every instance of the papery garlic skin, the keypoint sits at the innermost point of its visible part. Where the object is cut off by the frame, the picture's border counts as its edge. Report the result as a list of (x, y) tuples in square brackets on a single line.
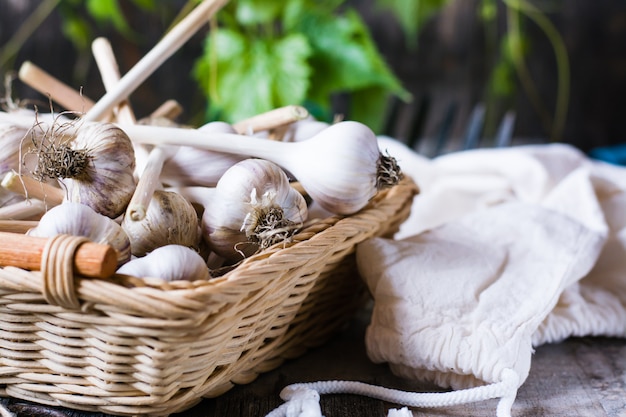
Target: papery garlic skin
[(80, 220), (170, 219), (171, 263), (188, 166), (107, 182), (243, 198), (13, 145)]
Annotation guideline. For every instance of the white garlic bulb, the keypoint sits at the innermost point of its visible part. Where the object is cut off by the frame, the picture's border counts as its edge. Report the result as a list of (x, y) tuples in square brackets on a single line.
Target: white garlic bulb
[(253, 207), (189, 166), (169, 219), (170, 262), (80, 220), (96, 167)]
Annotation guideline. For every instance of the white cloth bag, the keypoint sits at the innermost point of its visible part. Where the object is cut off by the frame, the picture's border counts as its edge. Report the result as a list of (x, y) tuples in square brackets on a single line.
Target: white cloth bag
[(505, 249)]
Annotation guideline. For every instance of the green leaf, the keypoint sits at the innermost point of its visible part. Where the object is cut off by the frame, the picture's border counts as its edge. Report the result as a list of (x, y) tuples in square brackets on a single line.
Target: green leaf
[(345, 57), (78, 32), (250, 12), (368, 106), (254, 75), (108, 11), (411, 14)]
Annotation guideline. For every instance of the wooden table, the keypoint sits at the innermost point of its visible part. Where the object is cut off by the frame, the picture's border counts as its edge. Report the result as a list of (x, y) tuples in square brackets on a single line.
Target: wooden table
[(582, 377)]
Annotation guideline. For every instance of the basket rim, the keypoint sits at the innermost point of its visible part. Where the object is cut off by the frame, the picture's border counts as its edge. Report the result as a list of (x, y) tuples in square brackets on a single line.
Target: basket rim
[(146, 295)]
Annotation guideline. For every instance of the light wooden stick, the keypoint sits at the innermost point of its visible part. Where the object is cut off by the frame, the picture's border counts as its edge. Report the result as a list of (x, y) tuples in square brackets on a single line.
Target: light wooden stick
[(31, 188), (165, 48), (90, 259), (58, 91), (17, 226), (270, 120), (110, 74)]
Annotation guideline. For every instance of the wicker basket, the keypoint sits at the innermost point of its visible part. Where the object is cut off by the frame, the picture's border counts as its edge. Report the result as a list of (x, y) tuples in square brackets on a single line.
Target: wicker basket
[(142, 346)]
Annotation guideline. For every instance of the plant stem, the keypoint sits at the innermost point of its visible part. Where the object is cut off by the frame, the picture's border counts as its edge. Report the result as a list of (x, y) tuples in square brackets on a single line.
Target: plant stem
[(562, 62)]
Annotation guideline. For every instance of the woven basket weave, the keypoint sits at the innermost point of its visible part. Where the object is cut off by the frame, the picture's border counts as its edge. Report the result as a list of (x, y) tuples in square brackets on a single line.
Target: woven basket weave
[(141, 346)]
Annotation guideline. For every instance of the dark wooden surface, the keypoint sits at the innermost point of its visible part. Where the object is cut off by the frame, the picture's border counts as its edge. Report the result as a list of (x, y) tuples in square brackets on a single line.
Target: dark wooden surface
[(582, 377)]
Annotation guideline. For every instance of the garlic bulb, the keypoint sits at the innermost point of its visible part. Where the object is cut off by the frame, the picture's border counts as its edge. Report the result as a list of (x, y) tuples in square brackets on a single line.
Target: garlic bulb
[(188, 166), (253, 207), (80, 220), (96, 167), (170, 262), (341, 167), (169, 219)]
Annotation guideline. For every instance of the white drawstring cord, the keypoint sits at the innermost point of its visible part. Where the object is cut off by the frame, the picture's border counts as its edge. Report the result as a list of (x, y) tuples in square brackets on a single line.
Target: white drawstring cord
[(300, 396), (4, 411)]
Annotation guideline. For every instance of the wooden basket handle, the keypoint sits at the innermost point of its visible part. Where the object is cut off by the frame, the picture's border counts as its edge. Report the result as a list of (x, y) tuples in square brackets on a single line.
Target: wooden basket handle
[(59, 259)]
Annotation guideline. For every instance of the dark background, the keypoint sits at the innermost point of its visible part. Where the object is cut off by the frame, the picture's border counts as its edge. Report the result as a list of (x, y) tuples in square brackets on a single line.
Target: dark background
[(449, 67)]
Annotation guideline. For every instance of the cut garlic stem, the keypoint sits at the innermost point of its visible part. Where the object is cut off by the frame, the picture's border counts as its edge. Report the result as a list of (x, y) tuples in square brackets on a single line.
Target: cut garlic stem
[(17, 226), (46, 84), (171, 109), (26, 209), (110, 74), (166, 47), (272, 119), (31, 188), (147, 184)]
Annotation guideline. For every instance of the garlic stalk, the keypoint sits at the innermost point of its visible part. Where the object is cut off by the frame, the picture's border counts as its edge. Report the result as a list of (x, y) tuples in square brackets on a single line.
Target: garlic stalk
[(80, 220), (170, 262), (169, 219), (253, 207), (341, 167), (272, 119), (31, 188), (303, 129), (23, 210), (95, 168), (147, 184), (189, 166)]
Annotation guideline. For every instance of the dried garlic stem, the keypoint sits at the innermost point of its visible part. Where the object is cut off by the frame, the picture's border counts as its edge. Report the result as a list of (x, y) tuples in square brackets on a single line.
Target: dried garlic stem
[(46, 84), (30, 187), (26, 209), (169, 44), (148, 183), (272, 119)]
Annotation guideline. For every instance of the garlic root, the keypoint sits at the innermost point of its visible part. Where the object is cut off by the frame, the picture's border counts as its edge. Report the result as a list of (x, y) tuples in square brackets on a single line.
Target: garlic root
[(253, 208)]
